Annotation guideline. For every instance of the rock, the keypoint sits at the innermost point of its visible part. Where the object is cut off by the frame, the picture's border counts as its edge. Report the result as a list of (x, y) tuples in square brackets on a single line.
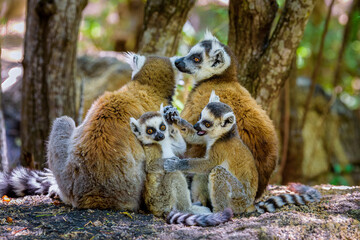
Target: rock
[(336, 216)]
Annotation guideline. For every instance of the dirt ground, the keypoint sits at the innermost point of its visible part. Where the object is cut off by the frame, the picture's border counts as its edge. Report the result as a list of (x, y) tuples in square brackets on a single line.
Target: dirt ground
[(337, 216)]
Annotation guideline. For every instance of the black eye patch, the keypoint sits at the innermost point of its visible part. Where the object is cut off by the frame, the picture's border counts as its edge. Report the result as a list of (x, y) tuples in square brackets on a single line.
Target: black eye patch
[(207, 123), (150, 130), (196, 58)]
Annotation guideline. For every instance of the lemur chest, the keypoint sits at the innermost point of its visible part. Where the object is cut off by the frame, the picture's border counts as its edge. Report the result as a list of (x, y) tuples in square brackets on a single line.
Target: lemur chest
[(221, 155), (167, 151)]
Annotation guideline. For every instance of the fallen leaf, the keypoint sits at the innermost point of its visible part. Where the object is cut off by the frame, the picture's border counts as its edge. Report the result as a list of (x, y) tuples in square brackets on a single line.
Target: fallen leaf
[(5, 198), (9, 220), (97, 223), (56, 202)]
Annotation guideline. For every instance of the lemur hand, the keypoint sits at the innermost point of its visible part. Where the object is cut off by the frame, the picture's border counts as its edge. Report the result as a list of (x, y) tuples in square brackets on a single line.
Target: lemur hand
[(171, 115), (172, 164)]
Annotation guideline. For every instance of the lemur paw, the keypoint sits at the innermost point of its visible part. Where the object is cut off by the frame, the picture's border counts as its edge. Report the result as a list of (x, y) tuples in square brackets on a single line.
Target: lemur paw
[(171, 115), (172, 164)]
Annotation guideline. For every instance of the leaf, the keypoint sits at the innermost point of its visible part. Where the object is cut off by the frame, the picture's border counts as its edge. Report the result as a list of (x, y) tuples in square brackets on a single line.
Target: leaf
[(5, 198), (127, 214), (9, 220), (337, 168)]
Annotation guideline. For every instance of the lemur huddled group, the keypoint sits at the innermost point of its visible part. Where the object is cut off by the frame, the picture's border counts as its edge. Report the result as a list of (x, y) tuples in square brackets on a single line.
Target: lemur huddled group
[(128, 153)]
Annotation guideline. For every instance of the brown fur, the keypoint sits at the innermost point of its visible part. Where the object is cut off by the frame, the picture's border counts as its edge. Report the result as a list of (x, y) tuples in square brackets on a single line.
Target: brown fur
[(101, 165), (231, 175), (241, 167), (255, 127), (165, 191)]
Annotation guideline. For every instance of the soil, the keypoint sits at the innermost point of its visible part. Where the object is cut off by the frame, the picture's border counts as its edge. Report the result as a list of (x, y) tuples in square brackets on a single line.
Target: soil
[(337, 216)]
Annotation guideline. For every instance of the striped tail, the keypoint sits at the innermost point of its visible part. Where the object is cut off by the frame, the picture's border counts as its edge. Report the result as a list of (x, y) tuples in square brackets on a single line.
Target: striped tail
[(203, 220), (306, 195), (22, 181)]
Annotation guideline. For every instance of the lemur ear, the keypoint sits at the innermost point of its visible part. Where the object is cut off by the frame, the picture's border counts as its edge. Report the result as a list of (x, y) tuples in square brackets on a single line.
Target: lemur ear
[(161, 109), (228, 118), (134, 125), (214, 97), (135, 61), (208, 36), (218, 58)]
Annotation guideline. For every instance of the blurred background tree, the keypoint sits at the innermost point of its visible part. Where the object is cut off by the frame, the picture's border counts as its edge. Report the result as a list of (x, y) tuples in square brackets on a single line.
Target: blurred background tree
[(323, 149)]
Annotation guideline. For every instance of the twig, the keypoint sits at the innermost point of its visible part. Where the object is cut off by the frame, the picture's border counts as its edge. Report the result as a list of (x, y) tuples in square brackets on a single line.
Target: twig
[(15, 232), (317, 65)]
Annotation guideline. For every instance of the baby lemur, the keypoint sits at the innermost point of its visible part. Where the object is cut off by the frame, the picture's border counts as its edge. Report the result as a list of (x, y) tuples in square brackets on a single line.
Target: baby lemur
[(231, 168), (228, 163), (167, 191)]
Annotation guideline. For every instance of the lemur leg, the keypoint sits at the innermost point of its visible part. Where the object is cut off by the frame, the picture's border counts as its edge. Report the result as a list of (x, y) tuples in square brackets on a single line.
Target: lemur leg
[(183, 201), (57, 154), (227, 191), (200, 190)]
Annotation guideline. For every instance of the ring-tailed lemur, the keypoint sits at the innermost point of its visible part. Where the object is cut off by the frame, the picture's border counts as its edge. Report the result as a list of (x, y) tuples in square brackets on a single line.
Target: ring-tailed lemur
[(100, 163), (167, 191), (228, 163), (214, 67)]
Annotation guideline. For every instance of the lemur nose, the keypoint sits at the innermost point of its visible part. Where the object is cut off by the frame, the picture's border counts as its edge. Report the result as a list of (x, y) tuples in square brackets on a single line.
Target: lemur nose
[(179, 63), (159, 136), (197, 127)]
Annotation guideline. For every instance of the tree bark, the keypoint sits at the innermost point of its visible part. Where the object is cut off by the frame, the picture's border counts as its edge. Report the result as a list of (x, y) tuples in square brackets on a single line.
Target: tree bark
[(48, 89), (3, 147), (276, 61), (292, 158), (265, 67), (250, 24), (163, 22)]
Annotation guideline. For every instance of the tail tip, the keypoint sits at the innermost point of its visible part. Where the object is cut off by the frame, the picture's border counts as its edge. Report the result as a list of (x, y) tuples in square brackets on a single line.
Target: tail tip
[(228, 213)]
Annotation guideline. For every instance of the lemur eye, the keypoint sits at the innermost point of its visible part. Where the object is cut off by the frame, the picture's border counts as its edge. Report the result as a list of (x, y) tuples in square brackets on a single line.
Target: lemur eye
[(149, 131), (196, 59), (163, 128), (207, 125)]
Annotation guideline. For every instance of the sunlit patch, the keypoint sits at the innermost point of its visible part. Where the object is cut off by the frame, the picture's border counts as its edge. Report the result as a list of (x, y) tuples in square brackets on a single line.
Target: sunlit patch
[(14, 73), (15, 55)]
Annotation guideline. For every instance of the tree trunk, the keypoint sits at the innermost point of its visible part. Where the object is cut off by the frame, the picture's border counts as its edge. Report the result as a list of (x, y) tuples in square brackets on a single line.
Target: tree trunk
[(163, 22), (3, 147), (291, 168), (265, 67), (249, 29), (48, 89)]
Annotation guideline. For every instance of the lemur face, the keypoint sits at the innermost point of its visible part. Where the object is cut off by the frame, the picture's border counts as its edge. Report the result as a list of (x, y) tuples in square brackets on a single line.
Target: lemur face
[(150, 128), (205, 59), (216, 119)]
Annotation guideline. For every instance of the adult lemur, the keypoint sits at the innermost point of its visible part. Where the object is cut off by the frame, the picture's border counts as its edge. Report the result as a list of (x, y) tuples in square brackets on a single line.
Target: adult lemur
[(100, 164), (228, 164), (214, 67), (167, 191)]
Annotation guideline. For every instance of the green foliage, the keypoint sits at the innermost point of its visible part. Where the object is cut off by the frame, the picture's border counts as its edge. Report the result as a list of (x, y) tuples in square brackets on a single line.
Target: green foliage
[(338, 177), (350, 71)]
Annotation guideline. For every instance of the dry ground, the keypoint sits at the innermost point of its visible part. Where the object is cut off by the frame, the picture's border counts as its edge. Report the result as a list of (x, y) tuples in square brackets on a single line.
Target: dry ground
[(337, 216)]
